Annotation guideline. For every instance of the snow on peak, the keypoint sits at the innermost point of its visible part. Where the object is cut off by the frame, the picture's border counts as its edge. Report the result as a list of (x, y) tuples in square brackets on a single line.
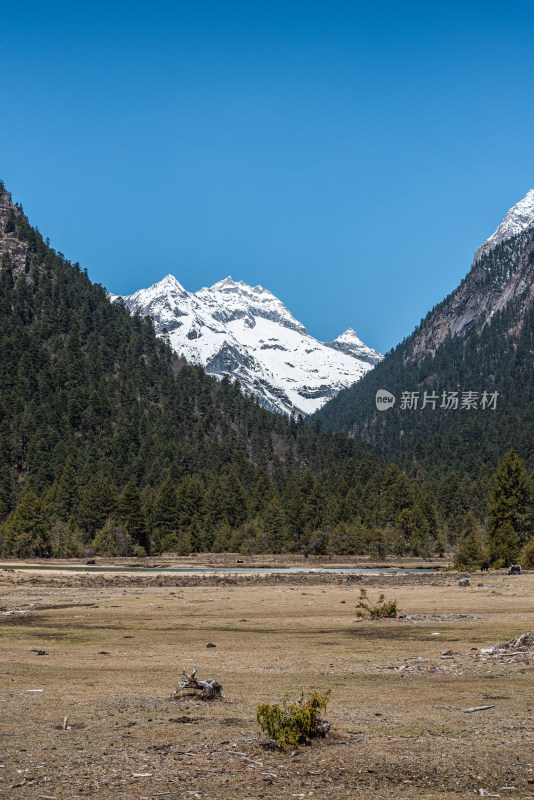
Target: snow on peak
[(225, 283), (233, 300), (169, 282), (248, 333), (518, 219), (349, 336), (352, 345), (166, 287)]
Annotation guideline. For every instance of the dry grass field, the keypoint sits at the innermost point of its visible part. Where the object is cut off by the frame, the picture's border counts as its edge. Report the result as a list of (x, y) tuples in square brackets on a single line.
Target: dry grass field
[(107, 651)]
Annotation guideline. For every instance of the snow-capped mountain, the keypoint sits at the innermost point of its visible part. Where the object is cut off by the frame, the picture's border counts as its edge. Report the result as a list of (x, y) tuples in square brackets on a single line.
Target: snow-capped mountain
[(248, 334), (519, 218)]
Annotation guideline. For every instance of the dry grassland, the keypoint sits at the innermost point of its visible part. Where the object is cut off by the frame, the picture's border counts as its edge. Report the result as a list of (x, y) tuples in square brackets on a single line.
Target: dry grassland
[(114, 649)]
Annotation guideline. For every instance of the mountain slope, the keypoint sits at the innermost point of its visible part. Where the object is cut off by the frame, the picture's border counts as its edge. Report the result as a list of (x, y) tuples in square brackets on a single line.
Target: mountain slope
[(110, 443), (95, 383), (247, 333), (478, 339)]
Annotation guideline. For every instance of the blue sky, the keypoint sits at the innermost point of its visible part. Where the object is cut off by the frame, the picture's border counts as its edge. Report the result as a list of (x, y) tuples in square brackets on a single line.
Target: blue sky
[(348, 156)]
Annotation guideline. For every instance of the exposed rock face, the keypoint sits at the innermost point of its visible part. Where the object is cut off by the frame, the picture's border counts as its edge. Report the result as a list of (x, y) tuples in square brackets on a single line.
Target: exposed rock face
[(12, 250), (247, 333), (502, 273)]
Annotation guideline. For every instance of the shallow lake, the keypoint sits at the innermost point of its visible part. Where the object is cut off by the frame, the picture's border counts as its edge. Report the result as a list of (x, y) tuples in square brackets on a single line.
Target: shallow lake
[(225, 570)]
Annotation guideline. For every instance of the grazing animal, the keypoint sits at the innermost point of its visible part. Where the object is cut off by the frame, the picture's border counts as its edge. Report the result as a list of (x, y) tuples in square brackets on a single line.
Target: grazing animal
[(484, 567), (515, 569)]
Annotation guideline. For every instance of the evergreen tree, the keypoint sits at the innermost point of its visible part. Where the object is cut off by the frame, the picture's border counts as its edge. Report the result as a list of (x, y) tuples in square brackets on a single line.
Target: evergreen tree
[(504, 546), (414, 528), (165, 516), (261, 493), (190, 494), (196, 537), (96, 505), (66, 498), (225, 540), (471, 552), (510, 499), (25, 532), (130, 515), (274, 527)]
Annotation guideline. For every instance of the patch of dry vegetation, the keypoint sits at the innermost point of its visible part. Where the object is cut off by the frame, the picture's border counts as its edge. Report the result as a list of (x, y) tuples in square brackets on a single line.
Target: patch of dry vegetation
[(114, 653)]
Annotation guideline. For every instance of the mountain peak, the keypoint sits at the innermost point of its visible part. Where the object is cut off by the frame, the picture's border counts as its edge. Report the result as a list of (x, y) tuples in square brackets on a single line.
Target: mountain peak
[(351, 344), (170, 282), (226, 283), (518, 218), (247, 332), (349, 335)]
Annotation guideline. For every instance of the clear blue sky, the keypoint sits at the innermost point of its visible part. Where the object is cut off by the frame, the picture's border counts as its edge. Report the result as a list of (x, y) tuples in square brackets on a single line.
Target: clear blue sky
[(348, 156)]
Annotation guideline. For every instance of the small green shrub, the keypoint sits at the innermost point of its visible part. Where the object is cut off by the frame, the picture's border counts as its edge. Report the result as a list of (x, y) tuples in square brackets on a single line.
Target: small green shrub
[(296, 723), (382, 608)]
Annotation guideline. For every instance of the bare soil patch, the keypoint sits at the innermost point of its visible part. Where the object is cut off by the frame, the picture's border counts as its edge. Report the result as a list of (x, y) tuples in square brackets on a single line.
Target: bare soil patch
[(400, 688)]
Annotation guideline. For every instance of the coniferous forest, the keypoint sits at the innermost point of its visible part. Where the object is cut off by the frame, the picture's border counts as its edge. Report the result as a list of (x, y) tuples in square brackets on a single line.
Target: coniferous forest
[(112, 445)]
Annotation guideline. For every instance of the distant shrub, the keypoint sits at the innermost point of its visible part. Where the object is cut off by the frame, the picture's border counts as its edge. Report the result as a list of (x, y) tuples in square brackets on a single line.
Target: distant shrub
[(382, 608), (296, 723)]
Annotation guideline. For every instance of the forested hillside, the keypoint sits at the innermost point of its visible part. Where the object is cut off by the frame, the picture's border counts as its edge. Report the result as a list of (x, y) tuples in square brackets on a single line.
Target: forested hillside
[(480, 339), (110, 444)]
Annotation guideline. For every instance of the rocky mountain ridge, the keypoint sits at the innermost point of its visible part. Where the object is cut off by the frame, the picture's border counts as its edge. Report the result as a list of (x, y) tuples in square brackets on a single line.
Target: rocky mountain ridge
[(502, 272)]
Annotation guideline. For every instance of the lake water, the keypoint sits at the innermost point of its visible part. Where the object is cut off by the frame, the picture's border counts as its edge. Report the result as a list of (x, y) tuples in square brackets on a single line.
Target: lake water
[(225, 570)]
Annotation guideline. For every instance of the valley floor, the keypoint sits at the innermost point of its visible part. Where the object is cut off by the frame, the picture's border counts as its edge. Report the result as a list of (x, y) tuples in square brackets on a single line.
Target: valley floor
[(107, 652)]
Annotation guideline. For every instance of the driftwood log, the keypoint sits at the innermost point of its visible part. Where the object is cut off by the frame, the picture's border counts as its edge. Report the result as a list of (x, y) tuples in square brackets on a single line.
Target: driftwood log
[(209, 689)]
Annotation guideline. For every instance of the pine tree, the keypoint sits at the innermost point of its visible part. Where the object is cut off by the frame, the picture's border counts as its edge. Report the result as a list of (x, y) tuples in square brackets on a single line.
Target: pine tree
[(165, 515), (504, 546), (415, 529), (196, 537), (96, 505), (66, 497), (25, 532), (471, 552), (509, 501), (190, 494), (224, 540), (428, 512), (274, 527), (262, 492), (130, 515)]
